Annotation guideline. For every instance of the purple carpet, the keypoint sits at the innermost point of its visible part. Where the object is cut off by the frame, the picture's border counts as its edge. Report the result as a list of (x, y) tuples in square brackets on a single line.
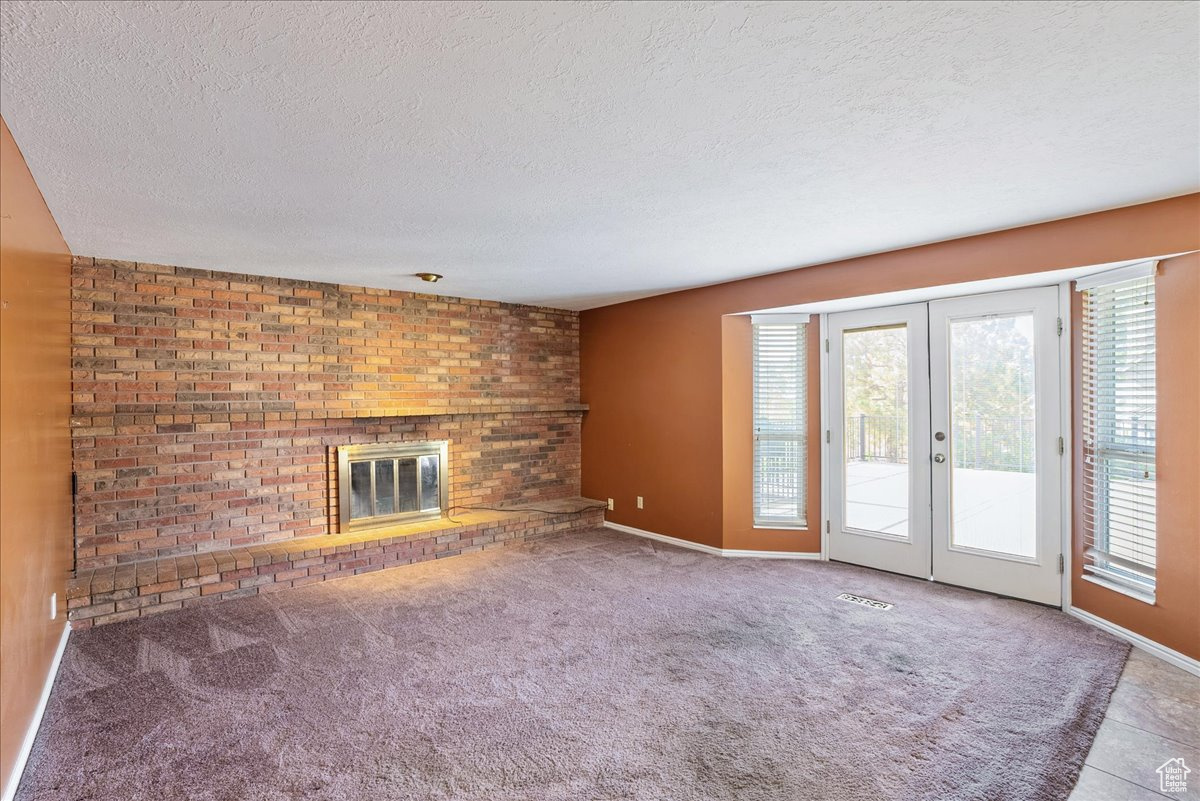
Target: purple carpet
[(589, 666)]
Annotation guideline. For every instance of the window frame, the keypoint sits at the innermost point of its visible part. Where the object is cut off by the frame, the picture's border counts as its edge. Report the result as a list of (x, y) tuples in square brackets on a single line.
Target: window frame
[(797, 434), (1107, 451)]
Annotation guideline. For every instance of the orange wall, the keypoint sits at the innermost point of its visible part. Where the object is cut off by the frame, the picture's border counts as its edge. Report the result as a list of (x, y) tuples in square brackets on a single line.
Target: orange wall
[(664, 424), (35, 444)]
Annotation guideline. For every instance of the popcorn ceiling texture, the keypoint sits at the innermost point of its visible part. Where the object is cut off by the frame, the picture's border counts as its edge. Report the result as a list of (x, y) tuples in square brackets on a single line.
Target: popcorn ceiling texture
[(208, 405), (576, 154)]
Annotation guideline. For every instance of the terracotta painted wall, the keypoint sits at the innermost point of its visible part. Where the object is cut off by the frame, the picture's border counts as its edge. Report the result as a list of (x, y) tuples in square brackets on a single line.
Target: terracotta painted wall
[(662, 422), (35, 444)]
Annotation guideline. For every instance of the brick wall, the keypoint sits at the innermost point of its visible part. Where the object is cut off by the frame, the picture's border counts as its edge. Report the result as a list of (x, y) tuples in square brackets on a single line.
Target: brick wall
[(206, 404)]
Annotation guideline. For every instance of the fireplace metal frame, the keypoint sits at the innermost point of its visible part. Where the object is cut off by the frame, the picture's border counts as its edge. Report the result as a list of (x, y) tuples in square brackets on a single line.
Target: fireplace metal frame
[(347, 454)]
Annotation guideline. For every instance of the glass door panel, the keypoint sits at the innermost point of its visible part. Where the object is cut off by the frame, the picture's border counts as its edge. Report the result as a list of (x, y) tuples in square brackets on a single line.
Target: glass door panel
[(875, 429), (408, 485), (385, 487), (993, 453), (361, 501), (430, 491)]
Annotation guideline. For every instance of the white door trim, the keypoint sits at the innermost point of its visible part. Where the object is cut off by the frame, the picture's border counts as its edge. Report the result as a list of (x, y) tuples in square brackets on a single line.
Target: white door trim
[(1066, 393), (823, 378)]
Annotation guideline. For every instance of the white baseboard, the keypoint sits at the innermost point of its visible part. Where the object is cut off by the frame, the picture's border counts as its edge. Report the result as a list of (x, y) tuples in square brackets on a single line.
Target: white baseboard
[(14, 778), (1171, 656), (695, 546)]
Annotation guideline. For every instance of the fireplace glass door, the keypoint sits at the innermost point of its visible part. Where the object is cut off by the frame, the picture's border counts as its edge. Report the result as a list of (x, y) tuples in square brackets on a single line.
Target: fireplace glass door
[(391, 483)]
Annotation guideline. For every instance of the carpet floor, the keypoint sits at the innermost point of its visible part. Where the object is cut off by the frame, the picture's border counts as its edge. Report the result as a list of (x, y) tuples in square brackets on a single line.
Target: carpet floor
[(587, 666)]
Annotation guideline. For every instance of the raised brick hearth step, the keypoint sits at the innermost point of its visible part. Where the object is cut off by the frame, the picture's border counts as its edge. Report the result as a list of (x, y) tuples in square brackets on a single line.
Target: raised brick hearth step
[(125, 591)]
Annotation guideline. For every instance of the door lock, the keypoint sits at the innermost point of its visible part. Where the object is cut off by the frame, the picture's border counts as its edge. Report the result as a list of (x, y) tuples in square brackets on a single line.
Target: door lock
[(939, 458), (939, 436)]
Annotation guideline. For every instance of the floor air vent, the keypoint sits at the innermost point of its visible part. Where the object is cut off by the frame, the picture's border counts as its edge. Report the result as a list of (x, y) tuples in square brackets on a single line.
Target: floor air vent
[(858, 599)]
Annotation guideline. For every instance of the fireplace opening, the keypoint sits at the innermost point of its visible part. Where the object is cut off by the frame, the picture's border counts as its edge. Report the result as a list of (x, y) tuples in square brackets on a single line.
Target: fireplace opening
[(391, 482)]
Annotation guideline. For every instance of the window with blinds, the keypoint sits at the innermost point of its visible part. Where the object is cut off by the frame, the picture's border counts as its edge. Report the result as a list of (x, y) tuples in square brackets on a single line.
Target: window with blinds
[(1119, 428), (780, 423)]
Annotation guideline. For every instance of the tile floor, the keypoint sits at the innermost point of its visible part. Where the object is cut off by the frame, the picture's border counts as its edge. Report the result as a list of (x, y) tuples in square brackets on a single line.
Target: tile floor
[(1154, 716)]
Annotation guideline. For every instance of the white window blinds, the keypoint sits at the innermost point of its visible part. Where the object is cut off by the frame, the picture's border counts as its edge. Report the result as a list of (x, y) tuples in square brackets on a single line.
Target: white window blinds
[(1119, 429), (780, 424)]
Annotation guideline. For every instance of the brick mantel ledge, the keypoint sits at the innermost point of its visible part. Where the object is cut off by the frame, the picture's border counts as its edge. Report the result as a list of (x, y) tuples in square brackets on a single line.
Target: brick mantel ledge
[(105, 416)]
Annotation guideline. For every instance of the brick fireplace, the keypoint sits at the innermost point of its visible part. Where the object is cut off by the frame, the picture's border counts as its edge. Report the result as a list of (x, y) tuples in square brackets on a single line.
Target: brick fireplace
[(209, 409)]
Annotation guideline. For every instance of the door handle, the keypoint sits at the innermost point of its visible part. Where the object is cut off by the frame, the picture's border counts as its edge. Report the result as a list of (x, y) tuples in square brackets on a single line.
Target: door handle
[(939, 458)]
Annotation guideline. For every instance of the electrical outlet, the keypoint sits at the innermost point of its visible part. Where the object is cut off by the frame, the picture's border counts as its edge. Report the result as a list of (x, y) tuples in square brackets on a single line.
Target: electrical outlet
[(53, 605), (639, 501), (610, 504)]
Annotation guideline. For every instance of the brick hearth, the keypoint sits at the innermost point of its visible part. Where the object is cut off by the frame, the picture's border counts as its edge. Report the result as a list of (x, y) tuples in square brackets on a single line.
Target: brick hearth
[(123, 592)]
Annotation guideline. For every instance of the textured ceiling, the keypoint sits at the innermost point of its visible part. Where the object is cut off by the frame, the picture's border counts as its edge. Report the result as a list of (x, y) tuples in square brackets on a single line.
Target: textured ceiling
[(579, 154)]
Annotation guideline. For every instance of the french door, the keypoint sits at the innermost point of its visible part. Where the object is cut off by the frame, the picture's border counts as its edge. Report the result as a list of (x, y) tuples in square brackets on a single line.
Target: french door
[(944, 431)]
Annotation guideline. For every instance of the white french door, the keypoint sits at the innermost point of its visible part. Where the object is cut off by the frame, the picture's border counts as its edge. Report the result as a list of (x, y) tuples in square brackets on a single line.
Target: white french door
[(878, 399), (944, 441)]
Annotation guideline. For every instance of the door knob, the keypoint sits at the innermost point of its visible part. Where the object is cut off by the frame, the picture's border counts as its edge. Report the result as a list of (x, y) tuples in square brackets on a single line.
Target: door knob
[(939, 458)]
